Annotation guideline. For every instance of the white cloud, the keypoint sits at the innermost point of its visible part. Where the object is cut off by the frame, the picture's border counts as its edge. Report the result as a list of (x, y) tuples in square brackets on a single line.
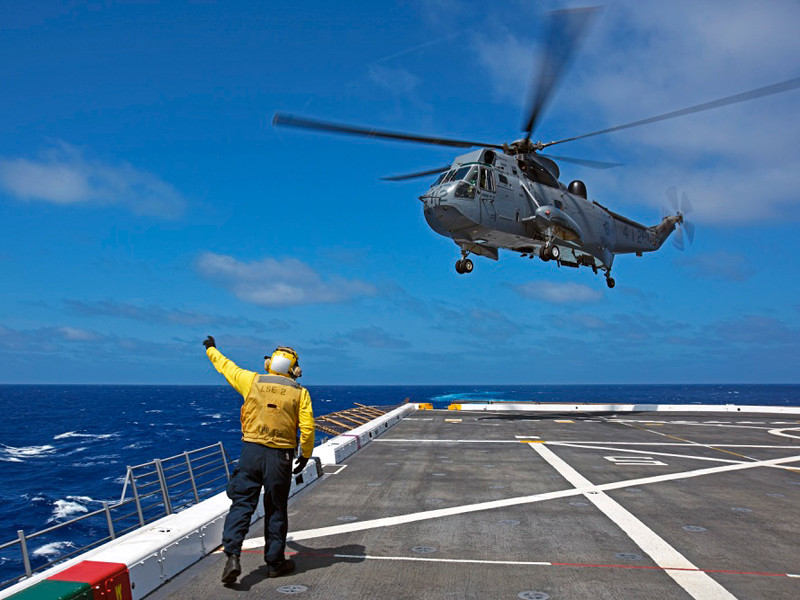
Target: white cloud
[(63, 175), (274, 282), (558, 293)]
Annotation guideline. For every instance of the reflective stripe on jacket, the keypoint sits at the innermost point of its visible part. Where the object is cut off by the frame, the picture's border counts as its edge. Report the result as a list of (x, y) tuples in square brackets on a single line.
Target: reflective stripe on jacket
[(274, 406)]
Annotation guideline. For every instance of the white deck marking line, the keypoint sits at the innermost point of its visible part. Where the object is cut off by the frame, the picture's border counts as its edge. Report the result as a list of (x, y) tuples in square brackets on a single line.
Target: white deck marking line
[(648, 452), (308, 534), (615, 443), (520, 563), (665, 443), (732, 426), (697, 584), (781, 431), (441, 441), (512, 563), (337, 471), (707, 446)]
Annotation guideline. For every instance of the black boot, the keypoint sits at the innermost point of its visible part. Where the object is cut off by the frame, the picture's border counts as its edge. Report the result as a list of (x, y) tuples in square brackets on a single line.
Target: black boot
[(281, 567), (232, 569)]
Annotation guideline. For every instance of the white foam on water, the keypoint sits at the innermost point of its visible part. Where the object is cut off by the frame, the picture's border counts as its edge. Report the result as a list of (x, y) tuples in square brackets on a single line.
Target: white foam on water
[(64, 509), (76, 434), (12, 454), (137, 446), (52, 549), (84, 499)]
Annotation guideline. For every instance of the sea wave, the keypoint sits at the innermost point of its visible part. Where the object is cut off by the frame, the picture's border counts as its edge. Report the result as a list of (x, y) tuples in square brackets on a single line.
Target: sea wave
[(13, 454), (52, 549), (69, 507), (137, 445), (76, 434)]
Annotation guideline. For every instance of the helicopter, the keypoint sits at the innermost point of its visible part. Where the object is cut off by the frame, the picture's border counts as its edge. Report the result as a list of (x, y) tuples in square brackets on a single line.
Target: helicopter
[(509, 196)]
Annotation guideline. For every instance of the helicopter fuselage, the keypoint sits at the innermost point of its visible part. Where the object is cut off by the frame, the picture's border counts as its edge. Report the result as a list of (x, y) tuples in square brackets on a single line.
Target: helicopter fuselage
[(488, 200)]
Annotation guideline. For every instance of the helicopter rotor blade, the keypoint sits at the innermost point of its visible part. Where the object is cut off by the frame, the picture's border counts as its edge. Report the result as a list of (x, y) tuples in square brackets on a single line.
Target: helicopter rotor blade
[(315, 125), (594, 164), (672, 197), (769, 90), (688, 226), (565, 31), (416, 175)]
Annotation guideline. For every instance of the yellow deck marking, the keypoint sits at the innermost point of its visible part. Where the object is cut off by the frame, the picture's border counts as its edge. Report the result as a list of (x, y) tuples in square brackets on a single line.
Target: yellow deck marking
[(563, 421), (532, 441), (693, 443), (452, 420)]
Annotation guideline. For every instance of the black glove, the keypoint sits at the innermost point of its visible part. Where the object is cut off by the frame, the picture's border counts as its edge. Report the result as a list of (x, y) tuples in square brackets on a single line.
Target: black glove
[(301, 464), (209, 343)]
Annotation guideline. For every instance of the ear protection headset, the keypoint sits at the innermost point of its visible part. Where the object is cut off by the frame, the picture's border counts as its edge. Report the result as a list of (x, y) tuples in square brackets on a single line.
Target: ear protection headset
[(284, 361)]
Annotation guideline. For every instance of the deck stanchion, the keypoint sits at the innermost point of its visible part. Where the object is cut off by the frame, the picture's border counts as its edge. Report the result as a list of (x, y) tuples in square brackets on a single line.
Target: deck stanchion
[(191, 476), (163, 483), (224, 460), (25, 558), (136, 497), (109, 521)]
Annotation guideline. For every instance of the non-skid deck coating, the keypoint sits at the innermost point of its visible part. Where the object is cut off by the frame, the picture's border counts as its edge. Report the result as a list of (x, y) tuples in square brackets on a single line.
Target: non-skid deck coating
[(519, 505)]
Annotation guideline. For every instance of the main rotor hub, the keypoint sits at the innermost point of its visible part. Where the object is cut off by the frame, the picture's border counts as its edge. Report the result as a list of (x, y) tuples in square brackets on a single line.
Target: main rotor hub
[(522, 146)]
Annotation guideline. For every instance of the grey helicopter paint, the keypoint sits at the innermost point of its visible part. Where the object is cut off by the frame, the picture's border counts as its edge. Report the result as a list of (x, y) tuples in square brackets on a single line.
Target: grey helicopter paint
[(485, 202), (509, 196)]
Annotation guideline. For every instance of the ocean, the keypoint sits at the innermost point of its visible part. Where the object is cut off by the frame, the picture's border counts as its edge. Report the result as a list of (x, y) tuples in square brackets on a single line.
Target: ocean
[(65, 449)]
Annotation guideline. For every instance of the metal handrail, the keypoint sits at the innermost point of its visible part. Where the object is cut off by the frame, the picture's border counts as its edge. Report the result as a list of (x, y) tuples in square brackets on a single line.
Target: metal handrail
[(166, 496)]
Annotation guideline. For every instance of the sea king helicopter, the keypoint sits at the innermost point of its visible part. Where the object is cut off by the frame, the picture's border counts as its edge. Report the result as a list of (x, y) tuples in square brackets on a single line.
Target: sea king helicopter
[(509, 195)]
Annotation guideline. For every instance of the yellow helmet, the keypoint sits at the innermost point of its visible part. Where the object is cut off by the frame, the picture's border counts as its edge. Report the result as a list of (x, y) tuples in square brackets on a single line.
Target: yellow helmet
[(284, 361)]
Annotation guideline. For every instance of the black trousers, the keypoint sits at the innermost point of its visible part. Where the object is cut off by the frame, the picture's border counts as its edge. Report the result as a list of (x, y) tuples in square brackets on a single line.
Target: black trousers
[(270, 468)]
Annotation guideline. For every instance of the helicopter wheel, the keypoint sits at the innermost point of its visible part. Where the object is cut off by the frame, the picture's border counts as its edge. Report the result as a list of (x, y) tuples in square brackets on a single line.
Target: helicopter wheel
[(554, 252), (544, 254), (610, 282), (459, 267), (467, 265)]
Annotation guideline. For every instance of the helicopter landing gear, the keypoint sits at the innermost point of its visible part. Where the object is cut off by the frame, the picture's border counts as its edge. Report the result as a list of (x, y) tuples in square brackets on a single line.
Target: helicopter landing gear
[(549, 252), (610, 281), (464, 266)]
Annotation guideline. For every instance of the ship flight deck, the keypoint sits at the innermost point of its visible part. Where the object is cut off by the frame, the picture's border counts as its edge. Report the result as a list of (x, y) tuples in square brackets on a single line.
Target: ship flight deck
[(536, 505)]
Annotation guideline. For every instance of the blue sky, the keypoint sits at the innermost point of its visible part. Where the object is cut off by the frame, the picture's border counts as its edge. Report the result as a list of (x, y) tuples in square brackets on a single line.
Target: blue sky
[(145, 200)]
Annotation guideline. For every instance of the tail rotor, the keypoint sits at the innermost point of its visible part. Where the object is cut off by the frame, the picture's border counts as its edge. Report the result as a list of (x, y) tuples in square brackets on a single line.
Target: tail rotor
[(684, 227)]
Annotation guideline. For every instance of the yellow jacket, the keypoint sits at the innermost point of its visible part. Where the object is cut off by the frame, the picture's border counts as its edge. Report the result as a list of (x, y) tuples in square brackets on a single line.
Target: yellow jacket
[(274, 406)]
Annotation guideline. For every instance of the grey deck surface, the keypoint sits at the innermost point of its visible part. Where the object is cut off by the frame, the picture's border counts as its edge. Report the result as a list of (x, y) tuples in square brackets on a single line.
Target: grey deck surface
[(407, 516)]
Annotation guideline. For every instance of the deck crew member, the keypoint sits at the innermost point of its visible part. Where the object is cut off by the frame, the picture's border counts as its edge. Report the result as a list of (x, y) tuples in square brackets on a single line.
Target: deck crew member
[(275, 407)]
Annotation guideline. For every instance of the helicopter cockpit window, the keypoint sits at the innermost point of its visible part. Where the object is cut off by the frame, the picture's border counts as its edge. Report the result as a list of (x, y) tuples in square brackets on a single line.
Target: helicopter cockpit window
[(468, 173), (487, 180), (440, 179), (466, 188)]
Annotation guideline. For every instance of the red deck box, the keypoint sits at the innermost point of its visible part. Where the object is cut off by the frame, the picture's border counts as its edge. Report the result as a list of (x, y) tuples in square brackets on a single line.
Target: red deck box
[(109, 581)]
